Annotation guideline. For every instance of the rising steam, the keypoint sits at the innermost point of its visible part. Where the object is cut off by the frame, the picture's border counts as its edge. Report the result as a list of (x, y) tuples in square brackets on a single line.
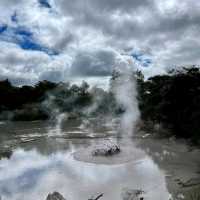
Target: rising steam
[(123, 86), (125, 91)]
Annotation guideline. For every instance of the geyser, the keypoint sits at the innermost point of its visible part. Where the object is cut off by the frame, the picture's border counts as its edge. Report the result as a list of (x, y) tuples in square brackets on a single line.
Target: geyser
[(123, 85)]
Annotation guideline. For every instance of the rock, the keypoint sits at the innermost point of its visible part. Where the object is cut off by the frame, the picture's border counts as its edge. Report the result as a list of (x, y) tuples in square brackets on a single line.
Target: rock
[(107, 149), (55, 196), (98, 197), (132, 194)]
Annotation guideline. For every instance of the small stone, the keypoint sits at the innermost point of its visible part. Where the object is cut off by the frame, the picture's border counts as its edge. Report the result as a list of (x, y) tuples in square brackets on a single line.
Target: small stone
[(55, 196)]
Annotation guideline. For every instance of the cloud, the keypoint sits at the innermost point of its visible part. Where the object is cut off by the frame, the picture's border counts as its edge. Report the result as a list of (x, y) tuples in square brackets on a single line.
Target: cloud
[(28, 67), (57, 38), (95, 63), (52, 75), (24, 38)]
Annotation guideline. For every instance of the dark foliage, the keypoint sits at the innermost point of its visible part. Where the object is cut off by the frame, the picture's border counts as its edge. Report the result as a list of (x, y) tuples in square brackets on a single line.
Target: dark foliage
[(173, 100), (16, 97), (20, 99), (66, 98), (46, 99)]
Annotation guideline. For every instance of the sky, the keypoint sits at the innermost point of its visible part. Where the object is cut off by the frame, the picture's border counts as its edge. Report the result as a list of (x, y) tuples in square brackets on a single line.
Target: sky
[(58, 40)]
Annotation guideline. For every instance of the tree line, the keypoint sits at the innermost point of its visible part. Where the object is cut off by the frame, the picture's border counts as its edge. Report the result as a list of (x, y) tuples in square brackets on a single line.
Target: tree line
[(171, 100)]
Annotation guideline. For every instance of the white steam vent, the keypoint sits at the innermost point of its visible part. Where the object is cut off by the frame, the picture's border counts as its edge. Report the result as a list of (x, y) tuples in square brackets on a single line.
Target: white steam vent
[(125, 91)]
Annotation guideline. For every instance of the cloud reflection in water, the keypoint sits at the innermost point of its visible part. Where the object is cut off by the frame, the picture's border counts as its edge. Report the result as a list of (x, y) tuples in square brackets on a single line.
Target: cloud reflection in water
[(30, 175)]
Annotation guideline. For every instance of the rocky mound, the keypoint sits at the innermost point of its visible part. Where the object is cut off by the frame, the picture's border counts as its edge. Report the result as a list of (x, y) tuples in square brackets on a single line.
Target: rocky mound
[(106, 149), (55, 196)]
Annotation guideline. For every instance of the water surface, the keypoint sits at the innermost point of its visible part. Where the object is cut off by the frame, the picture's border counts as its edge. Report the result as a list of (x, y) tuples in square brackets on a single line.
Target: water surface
[(42, 161)]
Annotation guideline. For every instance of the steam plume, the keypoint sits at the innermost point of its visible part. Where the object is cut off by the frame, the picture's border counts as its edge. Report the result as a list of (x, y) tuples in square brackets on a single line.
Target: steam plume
[(125, 90)]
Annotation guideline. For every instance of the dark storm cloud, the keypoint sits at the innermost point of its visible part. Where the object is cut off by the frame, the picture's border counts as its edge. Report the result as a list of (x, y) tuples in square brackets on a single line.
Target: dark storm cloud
[(103, 5), (126, 5), (99, 63), (53, 76), (67, 39), (99, 15)]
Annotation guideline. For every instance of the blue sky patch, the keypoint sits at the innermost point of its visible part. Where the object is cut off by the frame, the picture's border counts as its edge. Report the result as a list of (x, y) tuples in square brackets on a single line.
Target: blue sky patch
[(137, 56), (14, 18), (21, 31), (3, 28), (24, 38), (45, 3), (146, 62), (141, 58)]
